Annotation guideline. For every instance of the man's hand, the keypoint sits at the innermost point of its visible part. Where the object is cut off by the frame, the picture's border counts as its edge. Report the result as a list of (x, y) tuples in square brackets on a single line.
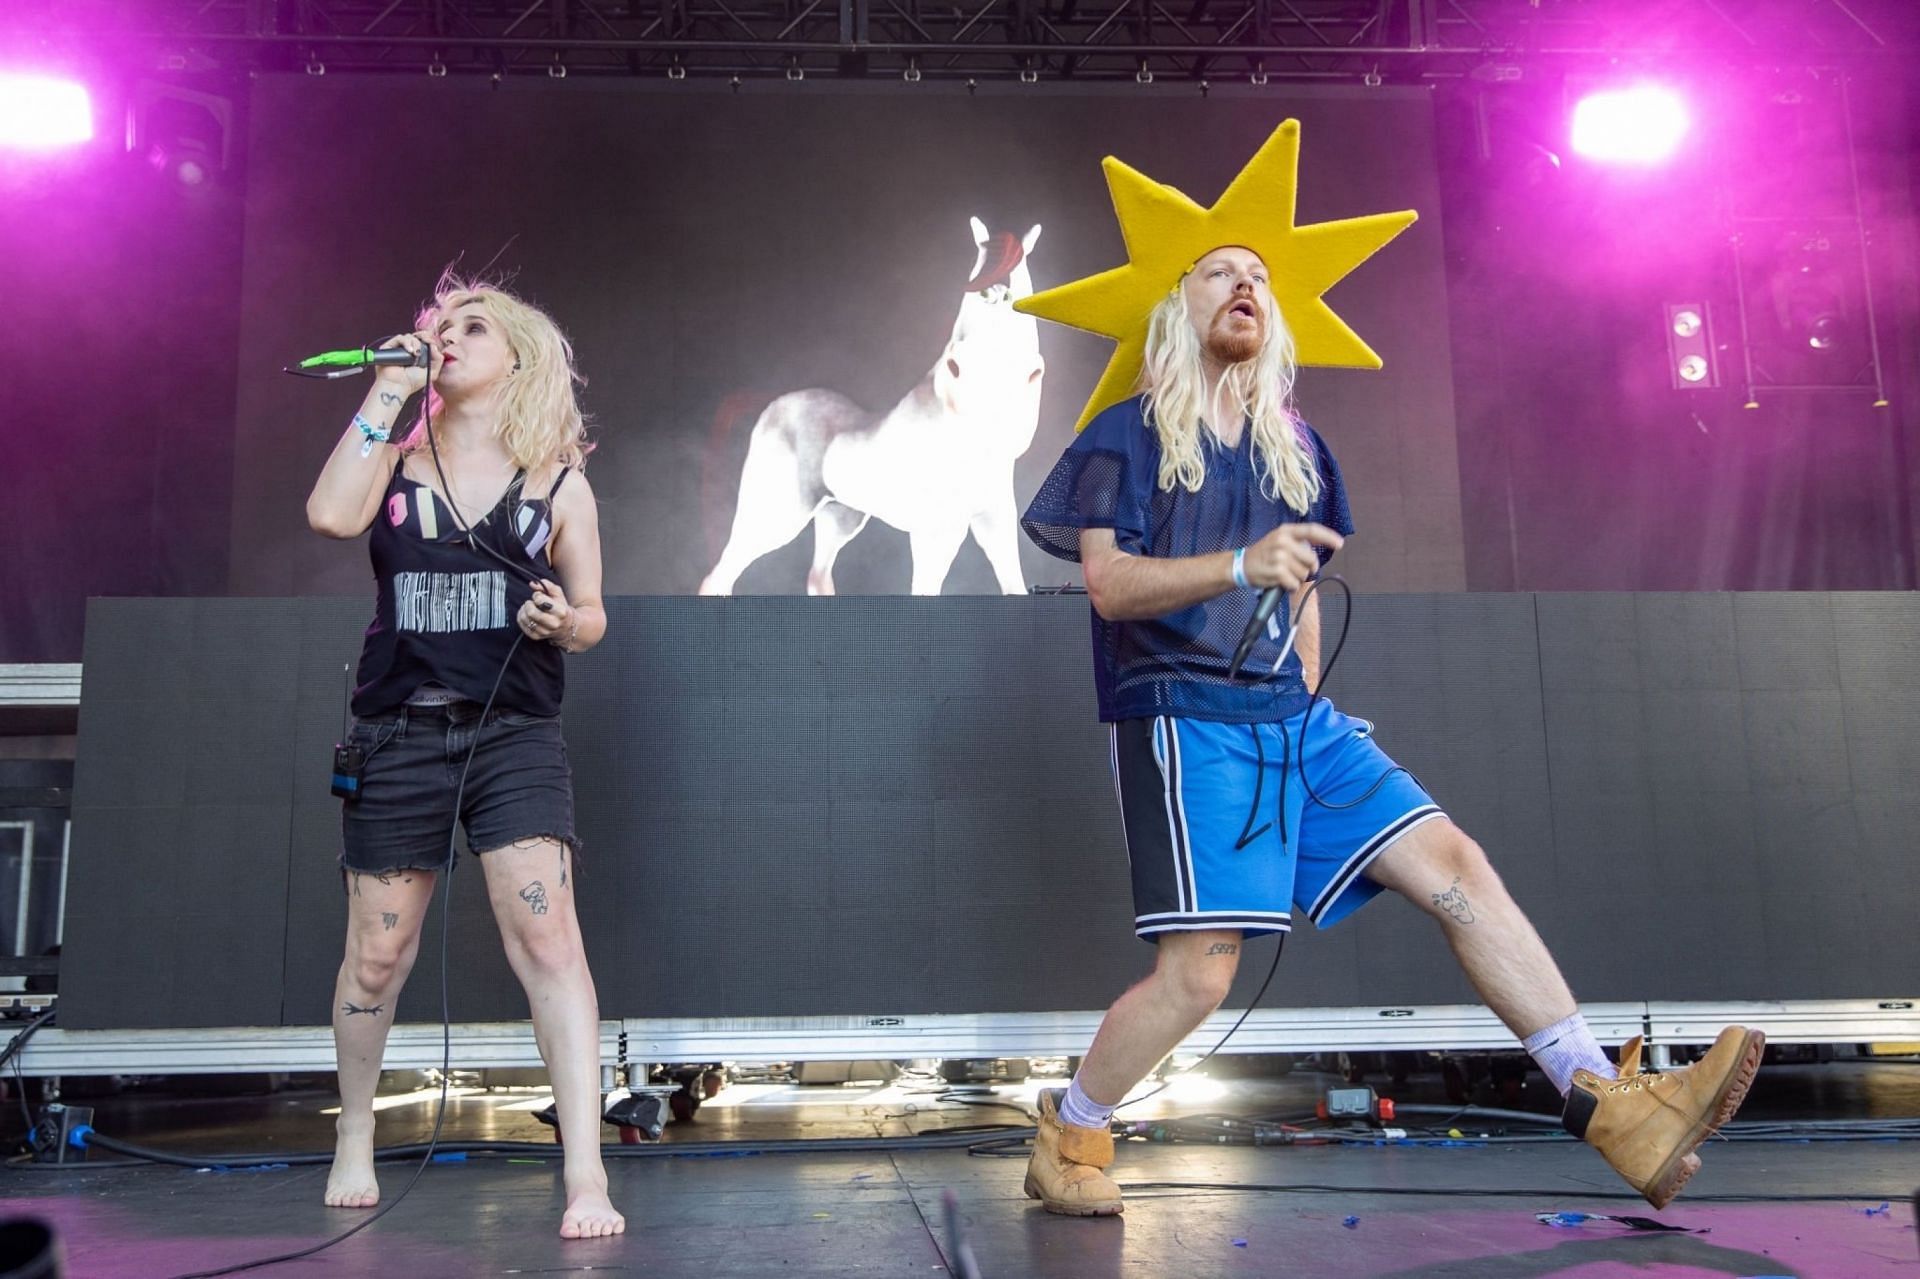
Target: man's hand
[(1286, 556)]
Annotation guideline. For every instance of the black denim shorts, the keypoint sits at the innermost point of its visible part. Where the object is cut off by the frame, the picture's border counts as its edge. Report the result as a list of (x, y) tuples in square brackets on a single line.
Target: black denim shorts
[(519, 787)]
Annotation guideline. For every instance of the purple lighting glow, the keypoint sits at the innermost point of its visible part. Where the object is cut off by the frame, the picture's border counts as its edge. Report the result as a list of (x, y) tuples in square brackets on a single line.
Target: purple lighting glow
[(1643, 124), (42, 112)]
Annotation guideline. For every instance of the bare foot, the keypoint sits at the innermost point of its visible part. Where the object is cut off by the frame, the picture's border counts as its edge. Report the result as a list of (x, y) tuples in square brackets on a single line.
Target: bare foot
[(351, 1183), (590, 1214)]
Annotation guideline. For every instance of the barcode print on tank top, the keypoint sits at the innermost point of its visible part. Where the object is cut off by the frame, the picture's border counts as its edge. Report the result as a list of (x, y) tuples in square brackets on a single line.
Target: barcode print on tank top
[(440, 603)]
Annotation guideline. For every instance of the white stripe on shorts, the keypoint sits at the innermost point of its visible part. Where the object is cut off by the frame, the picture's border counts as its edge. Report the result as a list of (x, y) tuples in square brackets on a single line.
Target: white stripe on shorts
[(1381, 841), (1200, 920), (1166, 732)]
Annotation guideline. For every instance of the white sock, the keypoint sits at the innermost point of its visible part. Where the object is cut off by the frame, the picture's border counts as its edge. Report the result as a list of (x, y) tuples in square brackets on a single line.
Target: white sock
[(1082, 1111), (1567, 1046)]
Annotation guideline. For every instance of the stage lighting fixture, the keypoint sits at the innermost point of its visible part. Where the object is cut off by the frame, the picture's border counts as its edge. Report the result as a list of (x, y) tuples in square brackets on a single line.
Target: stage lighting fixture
[(1824, 331), (181, 133), (1690, 353), (43, 112), (1804, 287), (1639, 124), (186, 163), (1810, 287), (1807, 309)]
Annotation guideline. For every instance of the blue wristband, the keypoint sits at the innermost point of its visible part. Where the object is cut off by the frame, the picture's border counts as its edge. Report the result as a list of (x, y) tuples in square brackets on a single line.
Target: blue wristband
[(1240, 569), (374, 434)]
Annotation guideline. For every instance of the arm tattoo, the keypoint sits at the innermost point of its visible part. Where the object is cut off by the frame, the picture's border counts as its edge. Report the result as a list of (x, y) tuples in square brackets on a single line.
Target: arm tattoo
[(1223, 948), (388, 397), (1455, 903), (535, 896), (389, 919), (350, 1008)]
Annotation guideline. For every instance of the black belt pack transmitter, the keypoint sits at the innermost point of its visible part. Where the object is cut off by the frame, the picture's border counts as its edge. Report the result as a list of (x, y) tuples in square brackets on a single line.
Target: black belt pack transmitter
[(349, 762)]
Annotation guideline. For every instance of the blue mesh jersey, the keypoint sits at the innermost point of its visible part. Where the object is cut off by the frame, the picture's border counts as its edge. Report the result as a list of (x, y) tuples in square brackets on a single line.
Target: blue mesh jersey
[(1177, 665)]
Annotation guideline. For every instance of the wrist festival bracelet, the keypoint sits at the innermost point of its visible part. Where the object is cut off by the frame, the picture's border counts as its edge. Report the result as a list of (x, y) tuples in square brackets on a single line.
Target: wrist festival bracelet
[(374, 434), (1240, 568)]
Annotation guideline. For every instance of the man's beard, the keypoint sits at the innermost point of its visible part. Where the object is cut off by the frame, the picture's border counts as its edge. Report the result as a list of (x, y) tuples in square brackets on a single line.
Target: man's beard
[(1230, 343)]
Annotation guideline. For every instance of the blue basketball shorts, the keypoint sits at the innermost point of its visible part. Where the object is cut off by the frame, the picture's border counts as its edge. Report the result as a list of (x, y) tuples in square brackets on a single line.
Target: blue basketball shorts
[(1222, 832)]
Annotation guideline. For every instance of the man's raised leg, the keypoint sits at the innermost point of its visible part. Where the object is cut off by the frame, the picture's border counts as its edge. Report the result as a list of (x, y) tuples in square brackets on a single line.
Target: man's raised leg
[(1646, 1126)]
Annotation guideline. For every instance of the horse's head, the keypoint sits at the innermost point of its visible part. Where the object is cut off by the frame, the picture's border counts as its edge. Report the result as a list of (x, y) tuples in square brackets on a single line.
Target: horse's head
[(994, 352), (1000, 276)]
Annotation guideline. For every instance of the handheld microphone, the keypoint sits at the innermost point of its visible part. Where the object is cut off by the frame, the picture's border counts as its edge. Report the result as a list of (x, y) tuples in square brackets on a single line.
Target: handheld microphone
[(338, 364), (361, 357), (1269, 601)]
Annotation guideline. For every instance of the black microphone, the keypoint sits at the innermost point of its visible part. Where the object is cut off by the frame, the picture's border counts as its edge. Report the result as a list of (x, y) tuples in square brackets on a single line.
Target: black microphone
[(362, 357), (1269, 601)]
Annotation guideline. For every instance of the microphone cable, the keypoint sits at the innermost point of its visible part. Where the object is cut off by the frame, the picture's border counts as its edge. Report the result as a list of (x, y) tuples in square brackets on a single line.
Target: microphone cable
[(1299, 759), (446, 1019)]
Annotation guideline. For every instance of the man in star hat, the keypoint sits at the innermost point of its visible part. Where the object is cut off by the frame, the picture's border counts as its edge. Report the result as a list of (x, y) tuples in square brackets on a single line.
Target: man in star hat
[(1245, 796)]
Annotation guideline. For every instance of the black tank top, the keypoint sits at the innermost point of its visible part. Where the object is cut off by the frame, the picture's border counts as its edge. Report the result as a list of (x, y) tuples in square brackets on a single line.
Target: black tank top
[(444, 611)]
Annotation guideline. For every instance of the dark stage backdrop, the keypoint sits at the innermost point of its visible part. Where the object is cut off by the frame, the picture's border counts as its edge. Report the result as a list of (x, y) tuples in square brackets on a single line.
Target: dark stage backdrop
[(709, 250), (839, 213), (875, 806)]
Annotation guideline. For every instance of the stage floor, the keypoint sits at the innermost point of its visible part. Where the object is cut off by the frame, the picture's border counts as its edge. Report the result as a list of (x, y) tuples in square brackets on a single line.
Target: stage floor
[(881, 1213)]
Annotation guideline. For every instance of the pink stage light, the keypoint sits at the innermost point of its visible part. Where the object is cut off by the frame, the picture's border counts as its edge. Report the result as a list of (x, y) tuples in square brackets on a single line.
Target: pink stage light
[(42, 112), (1643, 124)]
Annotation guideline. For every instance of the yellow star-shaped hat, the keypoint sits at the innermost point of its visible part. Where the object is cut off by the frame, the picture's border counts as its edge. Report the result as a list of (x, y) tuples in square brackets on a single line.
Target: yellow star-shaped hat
[(1166, 233)]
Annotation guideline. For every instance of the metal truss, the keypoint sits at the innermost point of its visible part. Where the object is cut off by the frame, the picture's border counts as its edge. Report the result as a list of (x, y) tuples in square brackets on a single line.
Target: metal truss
[(902, 1037), (1188, 40)]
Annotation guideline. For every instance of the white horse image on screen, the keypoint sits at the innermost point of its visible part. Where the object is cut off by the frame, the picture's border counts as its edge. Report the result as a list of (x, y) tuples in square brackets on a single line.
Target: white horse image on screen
[(936, 466)]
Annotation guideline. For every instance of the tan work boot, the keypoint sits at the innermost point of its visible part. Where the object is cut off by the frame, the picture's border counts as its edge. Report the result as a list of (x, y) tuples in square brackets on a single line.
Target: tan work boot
[(1064, 1173), (1647, 1125), (1629, 1066)]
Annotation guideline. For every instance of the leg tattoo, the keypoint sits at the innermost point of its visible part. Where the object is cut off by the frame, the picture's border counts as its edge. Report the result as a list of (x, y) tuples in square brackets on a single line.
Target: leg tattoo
[(350, 1008), (535, 896), (1455, 903), (389, 919)]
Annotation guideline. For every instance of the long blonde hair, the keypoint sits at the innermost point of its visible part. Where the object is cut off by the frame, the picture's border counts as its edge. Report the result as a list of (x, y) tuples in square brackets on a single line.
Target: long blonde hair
[(540, 421), (1175, 382)]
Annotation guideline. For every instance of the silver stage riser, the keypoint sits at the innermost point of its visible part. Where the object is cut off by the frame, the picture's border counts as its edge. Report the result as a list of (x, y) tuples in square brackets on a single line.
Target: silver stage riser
[(1460, 1027), (40, 684)]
